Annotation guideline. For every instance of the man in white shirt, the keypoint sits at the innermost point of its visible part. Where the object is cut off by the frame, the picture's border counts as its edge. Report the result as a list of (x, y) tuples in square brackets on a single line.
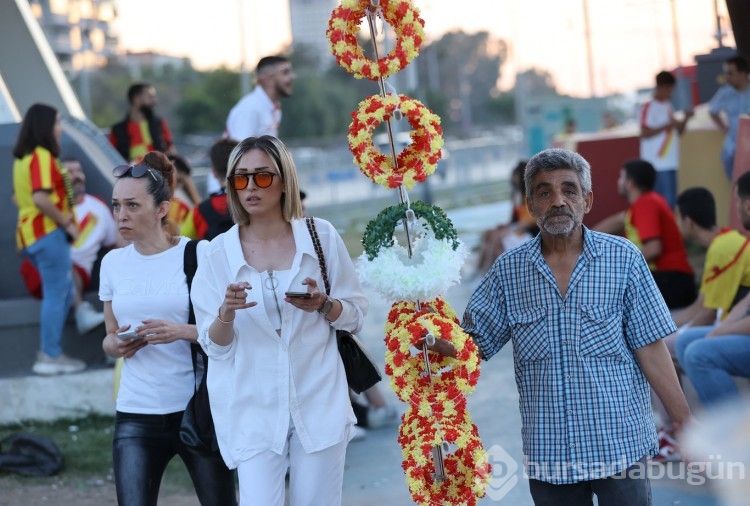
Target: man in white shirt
[(660, 136), (259, 112)]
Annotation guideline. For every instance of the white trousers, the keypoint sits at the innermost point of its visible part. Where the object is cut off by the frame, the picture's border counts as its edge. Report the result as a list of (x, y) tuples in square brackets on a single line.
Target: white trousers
[(315, 479)]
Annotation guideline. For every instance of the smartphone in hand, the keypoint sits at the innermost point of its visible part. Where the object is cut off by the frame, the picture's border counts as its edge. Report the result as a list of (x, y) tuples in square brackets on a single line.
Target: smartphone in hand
[(128, 336), (299, 295)]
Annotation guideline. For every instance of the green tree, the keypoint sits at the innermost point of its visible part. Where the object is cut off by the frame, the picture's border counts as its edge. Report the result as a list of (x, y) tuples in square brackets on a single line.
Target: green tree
[(206, 102), (464, 68)]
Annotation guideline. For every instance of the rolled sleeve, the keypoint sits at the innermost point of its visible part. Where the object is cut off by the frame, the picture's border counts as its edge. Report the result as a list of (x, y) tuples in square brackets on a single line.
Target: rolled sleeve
[(345, 285), (485, 318)]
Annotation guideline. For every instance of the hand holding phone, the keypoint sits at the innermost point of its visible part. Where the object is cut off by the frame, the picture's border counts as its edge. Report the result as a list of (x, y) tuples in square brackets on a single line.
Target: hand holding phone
[(128, 335), (299, 295)]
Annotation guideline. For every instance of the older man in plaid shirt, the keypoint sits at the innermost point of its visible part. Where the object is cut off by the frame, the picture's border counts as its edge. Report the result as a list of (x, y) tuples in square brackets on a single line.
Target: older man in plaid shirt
[(587, 323)]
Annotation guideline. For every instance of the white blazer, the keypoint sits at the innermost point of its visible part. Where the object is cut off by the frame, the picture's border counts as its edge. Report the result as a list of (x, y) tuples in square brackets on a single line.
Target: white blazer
[(261, 380)]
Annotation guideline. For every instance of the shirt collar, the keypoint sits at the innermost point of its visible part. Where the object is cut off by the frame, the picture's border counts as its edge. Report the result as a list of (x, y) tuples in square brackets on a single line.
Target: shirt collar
[(264, 96), (591, 246), (233, 248)]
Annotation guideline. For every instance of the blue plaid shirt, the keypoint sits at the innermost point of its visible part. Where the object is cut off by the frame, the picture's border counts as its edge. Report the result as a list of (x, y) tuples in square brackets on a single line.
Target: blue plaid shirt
[(585, 404)]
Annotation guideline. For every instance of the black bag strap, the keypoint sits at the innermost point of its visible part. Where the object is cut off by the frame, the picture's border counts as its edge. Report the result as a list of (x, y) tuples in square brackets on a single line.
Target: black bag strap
[(189, 266), (319, 252)]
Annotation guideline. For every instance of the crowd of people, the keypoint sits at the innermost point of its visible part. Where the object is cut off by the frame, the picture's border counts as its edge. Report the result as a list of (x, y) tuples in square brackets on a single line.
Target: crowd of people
[(603, 327)]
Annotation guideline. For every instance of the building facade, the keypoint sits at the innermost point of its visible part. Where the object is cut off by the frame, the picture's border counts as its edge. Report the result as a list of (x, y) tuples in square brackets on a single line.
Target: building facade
[(309, 21), (80, 31)]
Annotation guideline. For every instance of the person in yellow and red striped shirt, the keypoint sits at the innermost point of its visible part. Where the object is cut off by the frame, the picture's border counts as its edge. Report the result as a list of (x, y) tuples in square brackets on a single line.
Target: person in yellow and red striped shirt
[(46, 228), (141, 130)]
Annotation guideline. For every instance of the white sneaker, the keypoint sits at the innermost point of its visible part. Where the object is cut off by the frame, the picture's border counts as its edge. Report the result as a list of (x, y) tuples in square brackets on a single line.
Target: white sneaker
[(87, 318), (380, 417), (48, 366)]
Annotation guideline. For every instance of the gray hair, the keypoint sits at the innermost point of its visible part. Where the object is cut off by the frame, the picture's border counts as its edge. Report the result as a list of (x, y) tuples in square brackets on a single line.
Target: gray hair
[(557, 159)]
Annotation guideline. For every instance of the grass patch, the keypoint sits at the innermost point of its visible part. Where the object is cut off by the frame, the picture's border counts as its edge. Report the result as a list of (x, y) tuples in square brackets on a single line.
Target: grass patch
[(86, 444)]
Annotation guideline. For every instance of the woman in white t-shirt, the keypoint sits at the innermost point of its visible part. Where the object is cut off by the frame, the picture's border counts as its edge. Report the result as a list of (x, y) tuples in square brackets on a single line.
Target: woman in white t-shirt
[(145, 297), (276, 383)]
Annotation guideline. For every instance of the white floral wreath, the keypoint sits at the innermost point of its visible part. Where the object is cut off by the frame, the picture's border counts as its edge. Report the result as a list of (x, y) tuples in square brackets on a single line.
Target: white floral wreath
[(435, 266)]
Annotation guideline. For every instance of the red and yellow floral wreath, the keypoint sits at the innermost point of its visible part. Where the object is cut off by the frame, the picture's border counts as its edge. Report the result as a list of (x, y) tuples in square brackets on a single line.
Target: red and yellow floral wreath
[(417, 161), (343, 44), (409, 378), (468, 470)]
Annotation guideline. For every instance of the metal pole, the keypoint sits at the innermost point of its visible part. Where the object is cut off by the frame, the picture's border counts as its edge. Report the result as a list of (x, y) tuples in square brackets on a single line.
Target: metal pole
[(244, 74), (719, 33), (589, 52), (437, 450), (682, 99)]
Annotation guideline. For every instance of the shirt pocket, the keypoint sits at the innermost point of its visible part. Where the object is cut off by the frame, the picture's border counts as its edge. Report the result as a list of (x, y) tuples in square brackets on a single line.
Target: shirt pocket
[(601, 331), (530, 338)]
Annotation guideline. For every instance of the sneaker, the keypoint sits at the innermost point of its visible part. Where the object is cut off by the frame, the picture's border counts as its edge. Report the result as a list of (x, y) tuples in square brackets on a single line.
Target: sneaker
[(87, 318), (48, 366), (380, 417)]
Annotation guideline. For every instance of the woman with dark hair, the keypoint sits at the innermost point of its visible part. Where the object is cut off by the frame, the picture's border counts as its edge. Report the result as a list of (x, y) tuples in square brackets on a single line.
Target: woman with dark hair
[(146, 300), (276, 383), (46, 228)]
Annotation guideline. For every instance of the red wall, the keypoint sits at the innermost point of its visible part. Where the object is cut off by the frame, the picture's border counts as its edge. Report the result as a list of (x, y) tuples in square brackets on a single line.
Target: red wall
[(606, 156)]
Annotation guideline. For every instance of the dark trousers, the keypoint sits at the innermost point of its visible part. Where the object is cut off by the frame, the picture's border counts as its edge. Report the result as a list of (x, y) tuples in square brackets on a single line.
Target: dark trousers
[(143, 446), (618, 490), (677, 288)]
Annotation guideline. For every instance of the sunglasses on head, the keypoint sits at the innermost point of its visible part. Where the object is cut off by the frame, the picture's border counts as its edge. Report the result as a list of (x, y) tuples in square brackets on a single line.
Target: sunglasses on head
[(260, 179), (139, 170)]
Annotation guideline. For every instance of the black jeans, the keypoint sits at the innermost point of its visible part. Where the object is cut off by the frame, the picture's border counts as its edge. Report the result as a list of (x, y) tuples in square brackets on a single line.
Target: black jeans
[(142, 447), (623, 489)]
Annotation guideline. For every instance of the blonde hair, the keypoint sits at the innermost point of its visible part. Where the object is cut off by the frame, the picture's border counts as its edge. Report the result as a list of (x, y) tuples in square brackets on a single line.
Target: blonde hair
[(281, 160)]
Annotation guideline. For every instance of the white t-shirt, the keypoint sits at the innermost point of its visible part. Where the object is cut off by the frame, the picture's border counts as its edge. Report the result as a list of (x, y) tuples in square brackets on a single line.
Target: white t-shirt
[(159, 378), (662, 149), (254, 115), (97, 229)]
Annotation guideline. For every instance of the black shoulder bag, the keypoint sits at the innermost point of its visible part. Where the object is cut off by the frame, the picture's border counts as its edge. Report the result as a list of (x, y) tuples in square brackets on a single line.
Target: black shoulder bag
[(197, 426), (361, 372)]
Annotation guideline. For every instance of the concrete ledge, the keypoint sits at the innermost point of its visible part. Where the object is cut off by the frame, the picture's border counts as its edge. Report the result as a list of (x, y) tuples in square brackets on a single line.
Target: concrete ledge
[(55, 397)]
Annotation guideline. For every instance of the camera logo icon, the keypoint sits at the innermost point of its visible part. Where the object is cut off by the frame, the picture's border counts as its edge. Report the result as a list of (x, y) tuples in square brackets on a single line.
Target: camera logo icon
[(504, 476)]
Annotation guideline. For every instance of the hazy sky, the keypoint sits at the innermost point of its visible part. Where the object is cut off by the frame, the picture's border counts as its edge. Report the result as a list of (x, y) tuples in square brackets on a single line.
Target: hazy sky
[(631, 40)]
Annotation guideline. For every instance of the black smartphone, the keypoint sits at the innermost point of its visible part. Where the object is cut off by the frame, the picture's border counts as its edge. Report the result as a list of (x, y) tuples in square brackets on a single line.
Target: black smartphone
[(301, 295)]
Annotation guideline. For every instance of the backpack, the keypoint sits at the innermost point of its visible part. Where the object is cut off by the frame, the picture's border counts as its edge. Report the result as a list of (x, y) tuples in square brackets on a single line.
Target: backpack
[(30, 455), (217, 223), (197, 431)]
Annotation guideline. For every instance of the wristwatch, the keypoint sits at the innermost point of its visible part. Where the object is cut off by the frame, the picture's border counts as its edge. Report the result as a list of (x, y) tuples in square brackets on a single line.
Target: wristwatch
[(326, 307)]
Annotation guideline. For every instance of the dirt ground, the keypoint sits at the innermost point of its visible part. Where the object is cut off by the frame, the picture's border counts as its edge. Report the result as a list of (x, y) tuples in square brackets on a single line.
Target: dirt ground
[(18, 491)]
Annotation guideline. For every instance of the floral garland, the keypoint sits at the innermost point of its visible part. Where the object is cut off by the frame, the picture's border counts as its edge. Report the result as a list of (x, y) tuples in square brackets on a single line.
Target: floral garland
[(437, 412), (467, 469), (342, 41), (435, 261), (409, 378), (416, 161)]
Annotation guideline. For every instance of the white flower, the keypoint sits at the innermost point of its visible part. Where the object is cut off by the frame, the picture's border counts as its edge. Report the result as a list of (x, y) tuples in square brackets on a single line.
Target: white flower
[(433, 268)]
